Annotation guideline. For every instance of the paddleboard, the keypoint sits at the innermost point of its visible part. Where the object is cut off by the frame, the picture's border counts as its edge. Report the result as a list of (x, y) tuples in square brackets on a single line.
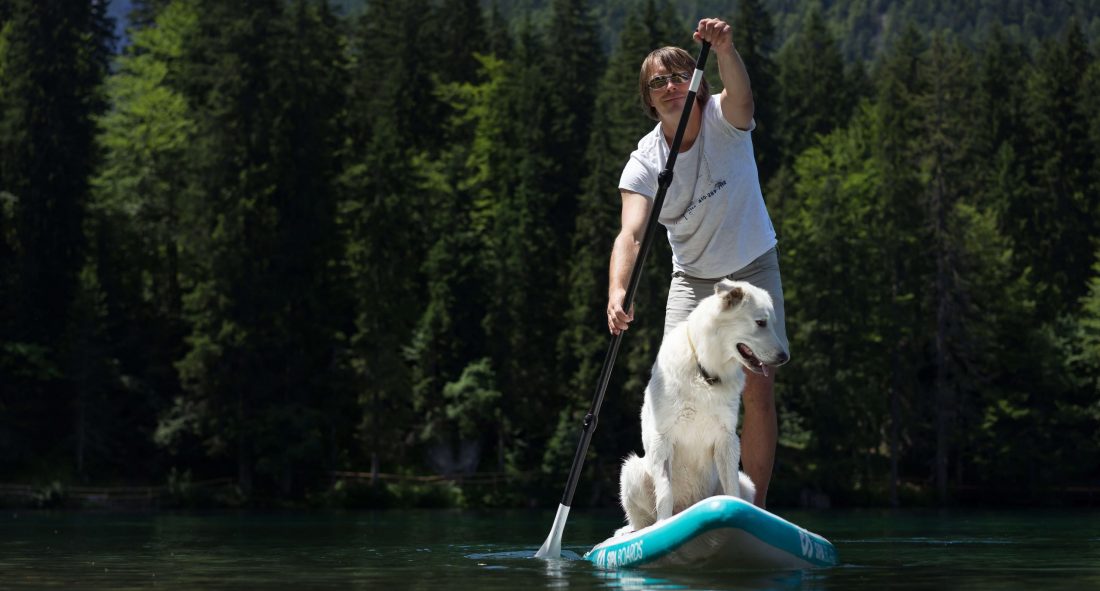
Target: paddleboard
[(717, 532)]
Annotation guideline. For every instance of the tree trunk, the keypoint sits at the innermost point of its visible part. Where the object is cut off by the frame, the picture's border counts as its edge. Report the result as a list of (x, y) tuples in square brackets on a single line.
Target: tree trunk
[(81, 431), (244, 458), (374, 461), (895, 420), (942, 295)]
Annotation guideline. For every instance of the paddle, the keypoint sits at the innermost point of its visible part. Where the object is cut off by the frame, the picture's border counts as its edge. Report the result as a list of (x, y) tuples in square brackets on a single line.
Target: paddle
[(551, 548)]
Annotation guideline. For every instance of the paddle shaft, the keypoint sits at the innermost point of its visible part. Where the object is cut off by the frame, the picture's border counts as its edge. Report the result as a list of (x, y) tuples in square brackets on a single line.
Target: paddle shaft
[(663, 182)]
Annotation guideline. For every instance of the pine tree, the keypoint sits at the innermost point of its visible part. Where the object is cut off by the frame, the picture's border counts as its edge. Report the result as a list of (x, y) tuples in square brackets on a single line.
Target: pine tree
[(813, 98), (1079, 411), (947, 148), (1052, 222), (896, 130), (449, 340), (573, 62), (754, 35), (497, 31), (392, 120), (142, 193), (461, 34), (53, 58), (451, 347), (1089, 106), (266, 84), (836, 375), (144, 12), (308, 79), (1000, 105), (525, 259), (995, 303), (227, 65), (1000, 91)]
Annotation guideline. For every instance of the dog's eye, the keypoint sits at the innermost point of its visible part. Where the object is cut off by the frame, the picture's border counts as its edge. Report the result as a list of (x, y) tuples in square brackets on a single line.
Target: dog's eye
[(761, 323)]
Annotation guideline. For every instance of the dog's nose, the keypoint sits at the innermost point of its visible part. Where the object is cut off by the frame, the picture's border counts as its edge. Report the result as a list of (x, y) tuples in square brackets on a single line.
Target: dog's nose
[(782, 358)]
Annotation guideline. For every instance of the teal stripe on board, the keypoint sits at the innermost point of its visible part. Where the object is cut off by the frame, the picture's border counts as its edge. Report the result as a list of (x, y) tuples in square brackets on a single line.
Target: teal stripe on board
[(797, 547)]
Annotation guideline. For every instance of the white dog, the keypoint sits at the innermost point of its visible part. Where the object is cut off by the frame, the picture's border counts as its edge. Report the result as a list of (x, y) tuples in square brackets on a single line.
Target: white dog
[(689, 417)]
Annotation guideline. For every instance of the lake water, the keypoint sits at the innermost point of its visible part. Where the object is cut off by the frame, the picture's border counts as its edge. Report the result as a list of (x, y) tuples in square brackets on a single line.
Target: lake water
[(492, 550)]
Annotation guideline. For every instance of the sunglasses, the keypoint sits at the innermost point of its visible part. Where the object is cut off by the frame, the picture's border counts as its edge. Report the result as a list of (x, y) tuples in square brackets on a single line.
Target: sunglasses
[(659, 82)]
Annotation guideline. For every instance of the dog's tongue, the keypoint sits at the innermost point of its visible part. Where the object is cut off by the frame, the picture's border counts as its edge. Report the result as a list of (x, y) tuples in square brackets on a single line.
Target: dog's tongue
[(764, 368)]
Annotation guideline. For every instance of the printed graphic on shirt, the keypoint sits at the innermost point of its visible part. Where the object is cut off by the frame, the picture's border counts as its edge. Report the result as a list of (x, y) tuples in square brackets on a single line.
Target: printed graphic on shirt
[(699, 201)]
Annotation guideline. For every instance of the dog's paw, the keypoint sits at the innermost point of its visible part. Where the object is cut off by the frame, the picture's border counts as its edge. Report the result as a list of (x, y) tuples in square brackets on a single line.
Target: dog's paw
[(748, 487), (624, 530)]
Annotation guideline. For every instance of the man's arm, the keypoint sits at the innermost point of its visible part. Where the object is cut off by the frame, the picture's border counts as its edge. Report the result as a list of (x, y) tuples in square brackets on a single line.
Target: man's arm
[(736, 98), (623, 255)]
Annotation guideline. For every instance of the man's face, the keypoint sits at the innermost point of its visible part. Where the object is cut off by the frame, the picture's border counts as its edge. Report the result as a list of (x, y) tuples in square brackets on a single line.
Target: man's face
[(668, 90)]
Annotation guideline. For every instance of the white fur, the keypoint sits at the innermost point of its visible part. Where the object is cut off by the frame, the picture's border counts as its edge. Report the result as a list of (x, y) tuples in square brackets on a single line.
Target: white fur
[(689, 427)]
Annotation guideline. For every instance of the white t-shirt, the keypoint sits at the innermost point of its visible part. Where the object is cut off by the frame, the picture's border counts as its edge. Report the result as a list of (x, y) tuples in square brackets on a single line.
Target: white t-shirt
[(716, 219)]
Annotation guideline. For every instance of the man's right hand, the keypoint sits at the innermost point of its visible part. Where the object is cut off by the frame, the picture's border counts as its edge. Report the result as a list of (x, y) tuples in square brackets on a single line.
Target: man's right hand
[(618, 319)]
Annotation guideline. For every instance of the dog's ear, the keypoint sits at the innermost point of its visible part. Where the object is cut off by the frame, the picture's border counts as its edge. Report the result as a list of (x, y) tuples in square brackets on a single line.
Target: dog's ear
[(724, 286), (732, 298)]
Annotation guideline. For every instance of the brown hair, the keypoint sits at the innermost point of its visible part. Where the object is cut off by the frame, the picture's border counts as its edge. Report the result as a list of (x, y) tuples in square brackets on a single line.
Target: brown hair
[(673, 59)]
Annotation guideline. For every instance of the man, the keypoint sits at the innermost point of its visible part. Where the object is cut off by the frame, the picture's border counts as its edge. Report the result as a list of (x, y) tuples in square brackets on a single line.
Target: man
[(714, 212)]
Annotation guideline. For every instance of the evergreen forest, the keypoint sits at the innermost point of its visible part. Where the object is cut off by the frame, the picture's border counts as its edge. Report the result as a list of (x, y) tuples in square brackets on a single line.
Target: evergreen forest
[(355, 254)]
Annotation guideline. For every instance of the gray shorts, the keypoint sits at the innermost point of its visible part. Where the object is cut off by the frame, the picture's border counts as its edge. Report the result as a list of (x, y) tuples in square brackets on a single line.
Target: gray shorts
[(685, 292)]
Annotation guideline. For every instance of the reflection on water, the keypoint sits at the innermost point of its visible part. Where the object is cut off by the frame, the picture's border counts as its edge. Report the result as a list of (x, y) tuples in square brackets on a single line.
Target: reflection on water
[(638, 580), (428, 550), (573, 572)]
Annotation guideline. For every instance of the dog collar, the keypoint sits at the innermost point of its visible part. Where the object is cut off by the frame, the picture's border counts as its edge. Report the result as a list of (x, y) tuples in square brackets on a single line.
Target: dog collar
[(709, 379)]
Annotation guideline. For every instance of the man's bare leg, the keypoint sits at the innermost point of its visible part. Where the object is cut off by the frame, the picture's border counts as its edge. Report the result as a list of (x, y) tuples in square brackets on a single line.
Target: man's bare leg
[(760, 432)]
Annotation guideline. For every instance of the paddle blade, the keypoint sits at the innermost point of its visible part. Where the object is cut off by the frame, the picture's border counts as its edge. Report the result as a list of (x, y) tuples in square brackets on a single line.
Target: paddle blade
[(551, 548)]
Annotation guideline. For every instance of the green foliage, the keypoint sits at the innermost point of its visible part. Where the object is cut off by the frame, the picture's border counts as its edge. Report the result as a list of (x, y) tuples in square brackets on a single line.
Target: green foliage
[(461, 36), (1088, 331), (143, 199), (1052, 225), (472, 399), (50, 496), (52, 62), (398, 495), (450, 330), (181, 491), (754, 38), (383, 216), (1079, 410), (868, 28), (814, 96), (831, 253), (299, 242), (259, 287)]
